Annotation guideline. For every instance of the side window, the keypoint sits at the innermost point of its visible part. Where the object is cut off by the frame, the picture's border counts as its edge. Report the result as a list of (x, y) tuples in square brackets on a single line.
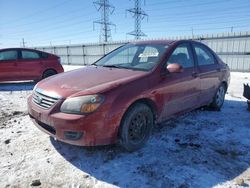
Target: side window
[(8, 55), (204, 56), (29, 55), (183, 56)]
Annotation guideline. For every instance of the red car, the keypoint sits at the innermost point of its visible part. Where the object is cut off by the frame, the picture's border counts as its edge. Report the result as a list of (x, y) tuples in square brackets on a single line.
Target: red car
[(17, 64), (122, 95)]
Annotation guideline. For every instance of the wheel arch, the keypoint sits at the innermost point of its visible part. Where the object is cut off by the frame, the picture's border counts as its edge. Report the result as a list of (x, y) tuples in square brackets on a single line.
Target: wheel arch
[(149, 102), (225, 84), (48, 69)]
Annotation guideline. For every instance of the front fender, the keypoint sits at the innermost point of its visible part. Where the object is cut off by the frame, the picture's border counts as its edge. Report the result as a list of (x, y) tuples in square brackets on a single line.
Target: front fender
[(124, 98)]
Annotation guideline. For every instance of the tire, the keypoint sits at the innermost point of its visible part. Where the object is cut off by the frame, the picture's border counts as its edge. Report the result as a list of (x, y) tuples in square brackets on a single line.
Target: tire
[(219, 98), (136, 127), (49, 73), (248, 105)]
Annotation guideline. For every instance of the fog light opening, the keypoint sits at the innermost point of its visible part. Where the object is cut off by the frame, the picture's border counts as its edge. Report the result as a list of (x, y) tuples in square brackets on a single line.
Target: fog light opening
[(70, 135)]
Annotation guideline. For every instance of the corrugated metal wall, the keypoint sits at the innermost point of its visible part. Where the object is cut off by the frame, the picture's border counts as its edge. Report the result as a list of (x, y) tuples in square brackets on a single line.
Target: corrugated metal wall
[(233, 48)]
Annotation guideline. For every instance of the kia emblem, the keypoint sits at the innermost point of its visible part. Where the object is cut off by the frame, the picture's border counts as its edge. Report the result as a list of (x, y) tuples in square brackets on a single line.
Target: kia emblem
[(39, 99)]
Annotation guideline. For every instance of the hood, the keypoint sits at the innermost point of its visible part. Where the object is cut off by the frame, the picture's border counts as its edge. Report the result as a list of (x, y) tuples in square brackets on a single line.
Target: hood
[(88, 80)]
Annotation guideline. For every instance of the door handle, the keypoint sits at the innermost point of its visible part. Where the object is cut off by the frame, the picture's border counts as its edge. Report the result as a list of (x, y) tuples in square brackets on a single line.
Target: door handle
[(194, 74), (218, 69)]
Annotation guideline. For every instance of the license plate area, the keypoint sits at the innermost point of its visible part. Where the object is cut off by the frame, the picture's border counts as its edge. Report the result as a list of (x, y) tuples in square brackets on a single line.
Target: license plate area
[(36, 114)]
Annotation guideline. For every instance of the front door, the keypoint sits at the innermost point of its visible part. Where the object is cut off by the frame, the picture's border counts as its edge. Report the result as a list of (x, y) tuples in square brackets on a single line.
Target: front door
[(181, 91), (9, 67)]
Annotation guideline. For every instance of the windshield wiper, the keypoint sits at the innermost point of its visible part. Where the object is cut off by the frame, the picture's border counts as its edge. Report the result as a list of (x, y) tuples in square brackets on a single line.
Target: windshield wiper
[(112, 66)]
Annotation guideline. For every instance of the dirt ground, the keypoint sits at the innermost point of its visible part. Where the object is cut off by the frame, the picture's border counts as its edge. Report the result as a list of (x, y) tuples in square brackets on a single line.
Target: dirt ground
[(200, 149)]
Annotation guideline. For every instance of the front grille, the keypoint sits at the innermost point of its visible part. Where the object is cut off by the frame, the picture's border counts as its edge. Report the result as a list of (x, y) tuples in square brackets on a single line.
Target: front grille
[(43, 100)]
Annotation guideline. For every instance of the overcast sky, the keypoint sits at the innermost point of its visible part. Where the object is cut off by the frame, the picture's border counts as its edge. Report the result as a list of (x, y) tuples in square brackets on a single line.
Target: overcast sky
[(53, 22)]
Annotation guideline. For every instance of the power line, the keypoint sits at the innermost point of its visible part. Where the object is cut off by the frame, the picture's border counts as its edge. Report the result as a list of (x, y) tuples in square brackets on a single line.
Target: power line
[(46, 19), (163, 20), (227, 22), (201, 11), (201, 18), (55, 27), (138, 15), (37, 12), (200, 29), (233, 17), (106, 9), (189, 3)]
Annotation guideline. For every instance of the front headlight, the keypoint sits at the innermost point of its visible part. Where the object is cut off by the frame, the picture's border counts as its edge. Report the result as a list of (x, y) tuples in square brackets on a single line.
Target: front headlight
[(82, 105)]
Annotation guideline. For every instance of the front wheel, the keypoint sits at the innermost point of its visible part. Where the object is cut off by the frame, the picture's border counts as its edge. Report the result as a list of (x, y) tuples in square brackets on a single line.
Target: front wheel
[(219, 98), (136, 127)]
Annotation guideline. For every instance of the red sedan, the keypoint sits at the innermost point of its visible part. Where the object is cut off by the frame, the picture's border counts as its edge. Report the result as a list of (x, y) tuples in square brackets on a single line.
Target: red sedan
[(18, 64), (122, 95)]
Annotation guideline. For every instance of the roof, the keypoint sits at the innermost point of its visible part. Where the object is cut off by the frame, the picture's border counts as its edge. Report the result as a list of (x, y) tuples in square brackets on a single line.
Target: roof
[(16, 49), (164, 42)]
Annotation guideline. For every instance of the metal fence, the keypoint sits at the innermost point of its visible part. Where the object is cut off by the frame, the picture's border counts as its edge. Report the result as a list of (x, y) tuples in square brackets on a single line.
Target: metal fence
[(233, 48)]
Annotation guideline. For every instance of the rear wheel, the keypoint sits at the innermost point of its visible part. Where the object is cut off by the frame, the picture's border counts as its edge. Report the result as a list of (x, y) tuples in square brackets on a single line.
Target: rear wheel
[(136, 127), (49, 73), (219, 98)]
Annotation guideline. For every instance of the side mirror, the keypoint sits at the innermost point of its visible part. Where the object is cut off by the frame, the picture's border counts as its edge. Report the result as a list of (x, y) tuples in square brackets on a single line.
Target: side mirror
[(174, 68)]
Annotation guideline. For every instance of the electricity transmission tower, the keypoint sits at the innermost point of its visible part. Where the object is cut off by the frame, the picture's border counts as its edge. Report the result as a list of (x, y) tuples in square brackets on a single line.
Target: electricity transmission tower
[(138, 14), (106, 9)]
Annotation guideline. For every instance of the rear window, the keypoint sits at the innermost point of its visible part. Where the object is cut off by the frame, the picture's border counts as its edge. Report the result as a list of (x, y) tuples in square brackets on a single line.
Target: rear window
[(30, 54), (204, 56)]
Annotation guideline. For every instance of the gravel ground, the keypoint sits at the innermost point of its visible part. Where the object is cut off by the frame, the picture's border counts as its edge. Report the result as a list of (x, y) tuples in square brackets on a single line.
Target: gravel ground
[(199, 149)]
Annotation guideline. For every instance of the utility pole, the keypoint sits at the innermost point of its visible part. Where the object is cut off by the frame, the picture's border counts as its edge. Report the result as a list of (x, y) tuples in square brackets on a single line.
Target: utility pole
[(23, 43), (138, 14), (192, 32), (106, 9)]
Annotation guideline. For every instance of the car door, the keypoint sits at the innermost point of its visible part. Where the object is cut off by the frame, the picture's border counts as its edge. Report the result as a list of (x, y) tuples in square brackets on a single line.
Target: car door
[(210, 72), (9, 67), (31, 64), (181, 90)]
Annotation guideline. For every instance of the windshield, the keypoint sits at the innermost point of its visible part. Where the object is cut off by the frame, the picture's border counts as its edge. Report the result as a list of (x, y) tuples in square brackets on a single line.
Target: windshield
[(134, 56)]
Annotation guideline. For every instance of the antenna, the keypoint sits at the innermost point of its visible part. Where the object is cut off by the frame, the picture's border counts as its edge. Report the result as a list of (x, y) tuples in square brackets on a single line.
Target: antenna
[(138, 14), (106, 9)]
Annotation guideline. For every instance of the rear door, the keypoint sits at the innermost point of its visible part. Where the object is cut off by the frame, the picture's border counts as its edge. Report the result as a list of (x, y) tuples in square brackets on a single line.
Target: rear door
[(9, 67), (31, 64), (181, 90), (210, 72)]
